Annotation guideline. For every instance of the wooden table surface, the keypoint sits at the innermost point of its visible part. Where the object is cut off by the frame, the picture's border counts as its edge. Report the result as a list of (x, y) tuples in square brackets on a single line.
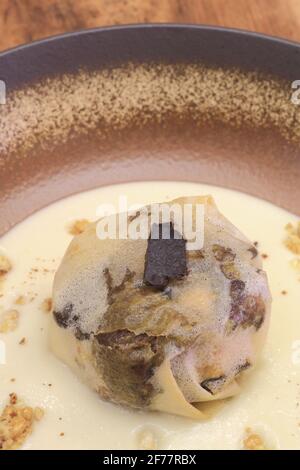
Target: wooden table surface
[(22, 21)]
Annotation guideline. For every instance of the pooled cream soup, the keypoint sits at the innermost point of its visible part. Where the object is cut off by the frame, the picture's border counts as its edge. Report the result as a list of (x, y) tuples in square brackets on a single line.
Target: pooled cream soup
[(75, 417)]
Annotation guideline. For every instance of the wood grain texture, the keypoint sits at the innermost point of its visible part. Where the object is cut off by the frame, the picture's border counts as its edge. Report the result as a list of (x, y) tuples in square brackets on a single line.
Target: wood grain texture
[(22, 21)]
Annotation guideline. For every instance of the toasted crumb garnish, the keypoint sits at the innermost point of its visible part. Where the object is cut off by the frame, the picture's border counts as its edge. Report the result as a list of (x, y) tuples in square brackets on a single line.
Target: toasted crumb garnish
[(27, 413), (38, 413), (264, 256), (46, 305), (9, 321), (293, 244), (77, 227), (16, 424), (21, 300), (292, 241), (22, 341), (253, 441), (147, 441), (62, 434), (13, 398), (295, 263), (5, 265)]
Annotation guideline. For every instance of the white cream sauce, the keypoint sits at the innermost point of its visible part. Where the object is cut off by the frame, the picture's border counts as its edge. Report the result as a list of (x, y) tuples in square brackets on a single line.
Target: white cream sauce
[(270, 401)]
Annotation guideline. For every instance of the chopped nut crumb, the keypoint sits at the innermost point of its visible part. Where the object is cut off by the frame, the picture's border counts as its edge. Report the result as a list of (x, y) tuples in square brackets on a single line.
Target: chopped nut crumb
[(22, 341), (21, 300), (16, 424), (13, 379), (62, 434), (13, 398), (38, 413), (78, 226), (47, 305), (284, 292), (253, 441), (292, 241), (147, 441), (264, 256), (5, 265), (9, 321), (27, 413), (295, 263)]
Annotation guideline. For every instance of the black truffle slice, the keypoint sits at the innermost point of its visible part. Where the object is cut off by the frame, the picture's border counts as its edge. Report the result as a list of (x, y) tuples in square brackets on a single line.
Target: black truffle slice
[(165, 257)]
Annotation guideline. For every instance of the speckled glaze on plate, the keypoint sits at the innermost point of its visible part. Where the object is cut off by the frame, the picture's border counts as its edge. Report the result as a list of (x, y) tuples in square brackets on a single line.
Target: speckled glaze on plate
[(148, 102)]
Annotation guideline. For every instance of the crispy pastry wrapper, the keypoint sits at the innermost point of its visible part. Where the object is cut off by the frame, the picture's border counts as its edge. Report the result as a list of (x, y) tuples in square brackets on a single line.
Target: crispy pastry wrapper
[(166, 349)]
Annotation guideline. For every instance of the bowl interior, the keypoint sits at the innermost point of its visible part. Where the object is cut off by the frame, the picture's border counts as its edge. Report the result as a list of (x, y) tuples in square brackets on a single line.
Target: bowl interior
[(118, 110)]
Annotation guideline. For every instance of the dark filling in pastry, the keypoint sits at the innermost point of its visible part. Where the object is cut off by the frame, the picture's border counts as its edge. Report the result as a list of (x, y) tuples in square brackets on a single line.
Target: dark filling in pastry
[(66, 319), (126, 358), (214, 385), (246, 310), (253, 251)]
